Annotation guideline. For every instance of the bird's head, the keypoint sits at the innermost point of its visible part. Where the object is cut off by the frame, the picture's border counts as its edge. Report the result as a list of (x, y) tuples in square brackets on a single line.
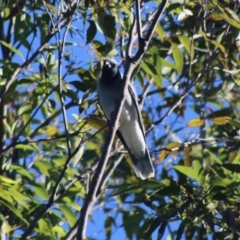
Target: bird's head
[(110, 69)]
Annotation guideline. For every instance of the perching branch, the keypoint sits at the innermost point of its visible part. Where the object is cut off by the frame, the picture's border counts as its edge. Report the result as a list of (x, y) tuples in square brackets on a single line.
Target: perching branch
[(130, 66)]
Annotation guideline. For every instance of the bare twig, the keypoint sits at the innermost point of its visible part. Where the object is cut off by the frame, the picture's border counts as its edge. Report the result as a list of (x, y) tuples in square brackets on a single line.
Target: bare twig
[(145, 92), (139, 21)]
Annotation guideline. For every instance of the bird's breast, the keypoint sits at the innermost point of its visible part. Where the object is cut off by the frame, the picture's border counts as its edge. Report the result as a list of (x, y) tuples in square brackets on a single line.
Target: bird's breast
[(109, 97)]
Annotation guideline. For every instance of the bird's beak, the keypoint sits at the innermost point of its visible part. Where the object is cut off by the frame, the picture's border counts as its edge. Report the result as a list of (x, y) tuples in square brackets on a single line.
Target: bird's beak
[(107, 64)]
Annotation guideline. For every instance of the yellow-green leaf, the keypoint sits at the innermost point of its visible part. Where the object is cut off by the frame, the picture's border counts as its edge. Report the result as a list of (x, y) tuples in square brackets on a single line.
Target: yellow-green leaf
[(171, 148), (97, 123), (12, 48), (195, 122), (186, 42), (51, 130), (178, 58), (221, 120)]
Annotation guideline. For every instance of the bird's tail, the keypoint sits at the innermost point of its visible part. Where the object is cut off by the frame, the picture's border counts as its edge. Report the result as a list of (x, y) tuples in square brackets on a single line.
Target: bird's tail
[(143, 166)]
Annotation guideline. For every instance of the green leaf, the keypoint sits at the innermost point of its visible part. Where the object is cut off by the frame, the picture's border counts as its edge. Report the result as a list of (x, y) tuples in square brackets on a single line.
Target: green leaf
[(186, 42), (91, 32), (184, 14), (161, 33), (214, 42), (224, 182), (108, 25), (148, 227), (70, 216), (40, 191), (12, 48), (178, 58), (58, 230), (19, 198), (7, 181), (199, 171), (226, 15), (158, 67), (43, 226), (125, 188), (43, 167), (187, 171), (108, 226), (25, 109), (28, 146), (22, 171), (235, 123), (51, 7), (15, 211)]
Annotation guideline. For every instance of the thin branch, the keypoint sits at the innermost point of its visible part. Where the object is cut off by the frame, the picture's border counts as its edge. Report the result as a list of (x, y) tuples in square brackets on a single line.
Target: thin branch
[(139, 21), (145, 93), (108, 173), (130, 38)]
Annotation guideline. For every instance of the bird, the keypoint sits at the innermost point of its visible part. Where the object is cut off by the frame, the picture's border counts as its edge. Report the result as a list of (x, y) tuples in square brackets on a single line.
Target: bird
[(131, 130)]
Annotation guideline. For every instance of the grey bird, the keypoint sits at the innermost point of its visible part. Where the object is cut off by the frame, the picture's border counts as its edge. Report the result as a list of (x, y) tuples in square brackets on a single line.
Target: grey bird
[(131, 130)]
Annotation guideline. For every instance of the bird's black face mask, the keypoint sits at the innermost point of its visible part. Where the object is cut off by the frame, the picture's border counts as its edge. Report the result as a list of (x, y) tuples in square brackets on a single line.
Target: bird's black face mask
[(109, 70)]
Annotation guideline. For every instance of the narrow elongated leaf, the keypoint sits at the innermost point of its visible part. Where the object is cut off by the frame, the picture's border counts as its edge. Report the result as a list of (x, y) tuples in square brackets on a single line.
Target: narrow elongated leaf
[(12, 48), (186, 42), (221, 120), (70, 216), (15, 211), (196, 122), (178, 58), (91, 32)]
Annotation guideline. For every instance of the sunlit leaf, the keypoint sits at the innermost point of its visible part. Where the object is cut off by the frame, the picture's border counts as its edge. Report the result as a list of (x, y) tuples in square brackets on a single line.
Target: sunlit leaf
[(51, 130), (97, 123), (171, 148), (184, 14), (69, 215), (189, 172), (221, 120), (196, 122), (187, 43), (178, 58), (40, 191), (12, 48)]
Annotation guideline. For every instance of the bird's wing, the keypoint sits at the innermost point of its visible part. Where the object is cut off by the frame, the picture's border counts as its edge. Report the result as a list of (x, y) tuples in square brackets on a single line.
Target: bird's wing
[(133, 95)]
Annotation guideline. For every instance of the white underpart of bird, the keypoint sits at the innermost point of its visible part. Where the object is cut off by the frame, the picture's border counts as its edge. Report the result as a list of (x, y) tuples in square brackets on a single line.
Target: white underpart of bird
[(131, 130)]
